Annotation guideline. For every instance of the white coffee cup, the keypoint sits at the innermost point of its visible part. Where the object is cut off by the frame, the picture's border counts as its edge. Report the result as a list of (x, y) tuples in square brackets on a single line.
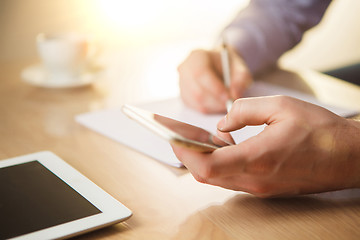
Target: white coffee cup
[(64, 56)]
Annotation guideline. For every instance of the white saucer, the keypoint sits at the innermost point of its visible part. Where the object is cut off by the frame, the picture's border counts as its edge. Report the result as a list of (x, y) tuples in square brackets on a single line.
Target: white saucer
[(37, 76)]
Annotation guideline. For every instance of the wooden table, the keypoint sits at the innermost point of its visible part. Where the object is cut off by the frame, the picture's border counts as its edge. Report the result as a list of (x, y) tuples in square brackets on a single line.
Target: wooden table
[(167, 202)]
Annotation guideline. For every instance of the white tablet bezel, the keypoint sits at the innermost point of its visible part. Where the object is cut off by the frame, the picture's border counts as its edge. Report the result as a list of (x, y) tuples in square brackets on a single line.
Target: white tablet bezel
[(112, 210)]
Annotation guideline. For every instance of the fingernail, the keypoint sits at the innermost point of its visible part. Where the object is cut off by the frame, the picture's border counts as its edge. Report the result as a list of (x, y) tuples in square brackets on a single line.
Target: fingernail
[(221, 125)]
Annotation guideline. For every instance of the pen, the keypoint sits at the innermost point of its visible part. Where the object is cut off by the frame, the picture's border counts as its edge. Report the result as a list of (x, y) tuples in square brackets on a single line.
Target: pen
[(225, 62)]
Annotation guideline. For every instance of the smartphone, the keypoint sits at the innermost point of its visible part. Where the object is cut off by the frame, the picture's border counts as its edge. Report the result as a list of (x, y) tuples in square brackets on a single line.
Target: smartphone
[(176, 132)]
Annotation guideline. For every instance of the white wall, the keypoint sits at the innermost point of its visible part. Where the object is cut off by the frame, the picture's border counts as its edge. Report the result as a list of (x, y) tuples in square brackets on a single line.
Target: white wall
[(120, 24)]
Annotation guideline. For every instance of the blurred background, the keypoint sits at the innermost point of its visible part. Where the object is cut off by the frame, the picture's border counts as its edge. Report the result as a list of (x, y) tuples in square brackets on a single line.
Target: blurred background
[(145, 40)]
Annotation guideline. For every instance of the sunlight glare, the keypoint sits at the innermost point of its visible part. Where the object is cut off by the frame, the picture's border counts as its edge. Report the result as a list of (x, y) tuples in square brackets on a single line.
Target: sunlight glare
[(135, 14)]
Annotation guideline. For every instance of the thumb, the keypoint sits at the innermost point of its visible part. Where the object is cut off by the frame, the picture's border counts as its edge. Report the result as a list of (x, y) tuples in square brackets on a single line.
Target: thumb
[(251, 111)]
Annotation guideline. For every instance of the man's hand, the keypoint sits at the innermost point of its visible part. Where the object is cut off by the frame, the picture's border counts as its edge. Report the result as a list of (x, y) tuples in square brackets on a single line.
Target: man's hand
[(304, 149), (201, 83)]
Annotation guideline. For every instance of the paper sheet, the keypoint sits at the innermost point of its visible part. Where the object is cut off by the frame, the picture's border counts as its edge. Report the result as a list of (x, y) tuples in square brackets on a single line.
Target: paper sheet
[(115, 125)]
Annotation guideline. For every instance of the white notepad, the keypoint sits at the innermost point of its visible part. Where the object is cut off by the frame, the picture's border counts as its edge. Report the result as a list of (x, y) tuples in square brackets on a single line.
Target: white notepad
[(115, 125)]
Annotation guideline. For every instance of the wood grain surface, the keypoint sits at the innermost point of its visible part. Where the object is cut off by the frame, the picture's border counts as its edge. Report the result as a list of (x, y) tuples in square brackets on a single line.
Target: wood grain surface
[(167, 202)]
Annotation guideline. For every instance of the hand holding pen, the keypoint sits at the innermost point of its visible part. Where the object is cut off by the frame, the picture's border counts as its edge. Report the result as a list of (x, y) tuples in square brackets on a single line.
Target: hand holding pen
[(202, 82)]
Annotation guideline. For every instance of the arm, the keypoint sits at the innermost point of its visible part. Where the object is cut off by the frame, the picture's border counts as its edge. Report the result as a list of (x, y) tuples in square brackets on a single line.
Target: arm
[(263, 31), (258, 36)]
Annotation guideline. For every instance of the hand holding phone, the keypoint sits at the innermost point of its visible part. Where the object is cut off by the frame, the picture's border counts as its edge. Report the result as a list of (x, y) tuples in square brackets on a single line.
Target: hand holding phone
[(176, 132)]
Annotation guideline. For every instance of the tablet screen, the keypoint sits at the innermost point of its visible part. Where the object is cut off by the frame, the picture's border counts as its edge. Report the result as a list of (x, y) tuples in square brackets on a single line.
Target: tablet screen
[(33, 198)]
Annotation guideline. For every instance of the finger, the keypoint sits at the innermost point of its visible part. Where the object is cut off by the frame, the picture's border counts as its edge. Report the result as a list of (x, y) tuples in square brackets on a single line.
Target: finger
[(189, 94), (238, 183), (226, 136), (215, 94), (240, 82), (241, 78), (262, 187), (203, 166), (214, 85), (204, 169), (200, 99), (254, 111), (258, 187), (197, 95), (190, 89), (222, 163), (194, 161), (200, 85)]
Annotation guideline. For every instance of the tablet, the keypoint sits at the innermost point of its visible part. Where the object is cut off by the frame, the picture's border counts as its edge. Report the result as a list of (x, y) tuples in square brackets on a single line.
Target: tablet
[(42, 197)]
